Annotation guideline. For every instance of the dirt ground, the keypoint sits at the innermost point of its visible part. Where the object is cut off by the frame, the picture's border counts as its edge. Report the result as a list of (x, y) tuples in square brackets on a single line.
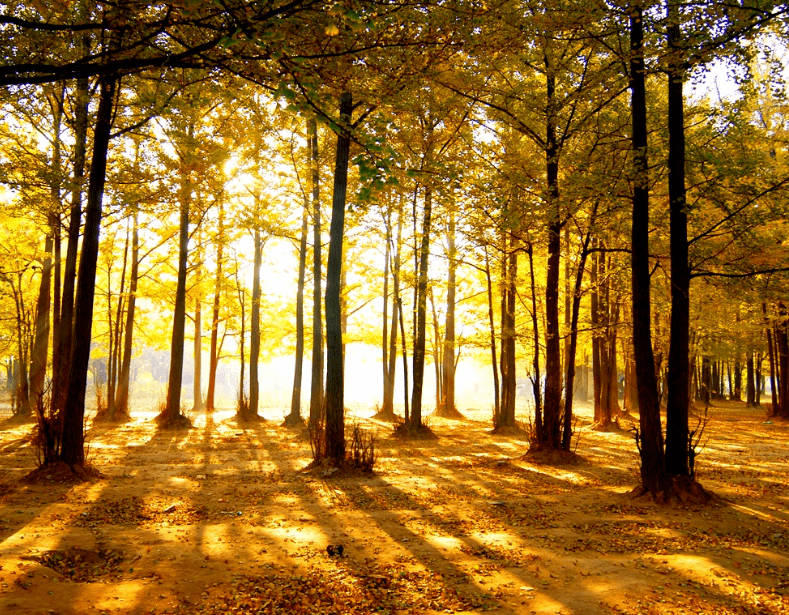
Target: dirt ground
[(222, 519)]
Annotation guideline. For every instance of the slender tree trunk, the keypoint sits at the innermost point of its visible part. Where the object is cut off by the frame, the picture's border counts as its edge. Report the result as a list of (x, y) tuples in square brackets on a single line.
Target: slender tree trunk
[(596, 341), (294, 418), (213, 353), (650, 435), (335, 385), (494, 358), (72, 447), (388, 406), (116, 338), (385, 320), (678, 368), (553, 363), (575, 309), (254, 343), (172, 412), (449, 325), (122, 401), (38, 357), (750, 387), (197, 389), (421, 316), (316, 385), (64, 335), (536, 386)]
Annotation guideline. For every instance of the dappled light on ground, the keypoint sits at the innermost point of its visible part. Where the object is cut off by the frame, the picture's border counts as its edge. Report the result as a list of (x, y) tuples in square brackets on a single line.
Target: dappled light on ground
[(221, 519)]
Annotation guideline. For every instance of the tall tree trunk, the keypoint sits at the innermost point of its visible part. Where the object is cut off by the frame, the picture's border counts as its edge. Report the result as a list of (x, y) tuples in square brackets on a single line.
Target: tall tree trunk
[(508, 291), (72, 447), (197, 385), (449, 325), (553, 364), (64, 334), (213, 353), (596, 341), (254, 343), (388, 404), (750, 387), (116, 337), (678, 369), (494, 358), (122, 397), (650, 435), (171, 416), (38, 357), (335, 384), (421, 316), (316, 383), (387, 381), (575, 309), (294, 418), (536, 385)]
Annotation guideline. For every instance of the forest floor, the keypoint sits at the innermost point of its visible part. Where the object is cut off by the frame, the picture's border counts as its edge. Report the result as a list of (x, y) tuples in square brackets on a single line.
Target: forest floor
[(223, 519)]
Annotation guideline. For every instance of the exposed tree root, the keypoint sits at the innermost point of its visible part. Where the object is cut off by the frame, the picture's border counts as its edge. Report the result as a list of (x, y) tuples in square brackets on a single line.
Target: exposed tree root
[(448, 413), (293, 421), (176, 422), (683, 490), (404, 431), (612, 427), (552, 457), (388, 416), (509, 430), (60, 472), (104, 416), (248, 417)]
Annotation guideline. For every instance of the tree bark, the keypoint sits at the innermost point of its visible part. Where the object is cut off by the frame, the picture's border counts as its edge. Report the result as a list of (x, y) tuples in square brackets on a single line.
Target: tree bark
[(254, 343), (294, 418), (64, 334), (449, 326), (316, 384), (213, 353), (335, 411), (678, 369), (650, 436), (122, 398), (172, 412), (415, 424), (553, 360), (72, 447)]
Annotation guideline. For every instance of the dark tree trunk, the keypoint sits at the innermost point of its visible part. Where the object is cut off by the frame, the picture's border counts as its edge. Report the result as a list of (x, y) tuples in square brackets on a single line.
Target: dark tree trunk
[(122, 398), (650, 435), (509, 271), (254, 342), (750, 387), (575, 309), (294, 418), (213, 353), (316, 384), (678, 369), (64, 334), (494, 359), (552, 412), (335, 384), (393, 253), (536, 385), (197, 388), (449, 326), (172, 411), (596, 333), (72, 447), (38, 356), (415, 425)]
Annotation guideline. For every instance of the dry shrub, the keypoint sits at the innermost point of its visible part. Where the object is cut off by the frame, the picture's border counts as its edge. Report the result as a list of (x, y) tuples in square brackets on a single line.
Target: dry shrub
[(47, 432), (317, 442), (362, 454)]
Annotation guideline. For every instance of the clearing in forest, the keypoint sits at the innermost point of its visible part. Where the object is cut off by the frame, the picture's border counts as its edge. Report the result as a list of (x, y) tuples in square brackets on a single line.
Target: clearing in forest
[(222, 519)]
